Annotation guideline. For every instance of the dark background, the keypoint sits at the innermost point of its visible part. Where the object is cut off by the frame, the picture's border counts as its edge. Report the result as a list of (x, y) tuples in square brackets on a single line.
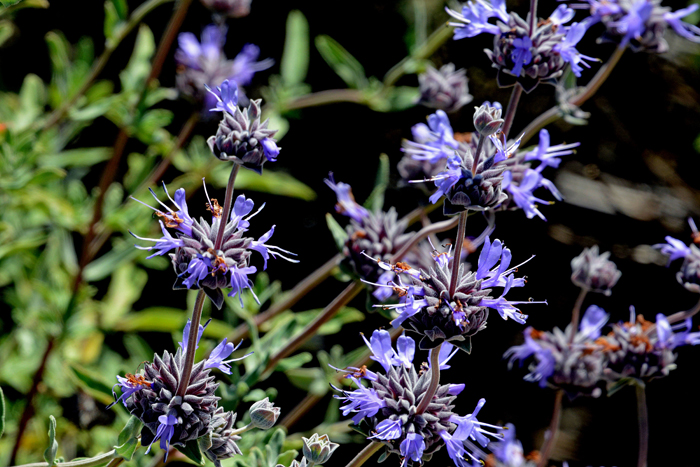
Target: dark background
[(647, 111)]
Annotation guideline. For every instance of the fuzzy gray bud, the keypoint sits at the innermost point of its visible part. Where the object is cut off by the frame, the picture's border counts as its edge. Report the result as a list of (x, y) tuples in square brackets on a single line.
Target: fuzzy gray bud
[(264, 414), (318, 449), (487, 119), (594, 271), (444, 89)]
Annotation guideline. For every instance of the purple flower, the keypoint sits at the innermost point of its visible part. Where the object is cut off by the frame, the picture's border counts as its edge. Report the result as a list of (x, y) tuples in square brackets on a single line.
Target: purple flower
[(522, 193), (346, 201), (522, 54), (128, 386), (271, 149), (433, 142), (592, 322), (267, 250), (165, 432), (240, 281), (163, 244), (673, 248), (447, 351), (475, 16), (406, 350), (198, 269), (226, 98), (468, 427), (412, 447), (447, 179), (380, 345), (509, 450), (186, 334), (241, 208), (387, 429), (632, 25), (245, 65), (546, 363), (180, 219), (191, 53), (455, 449), (220, 352), (683, 29), (562, 15), (567, 48), (364, 401), (549, 155)]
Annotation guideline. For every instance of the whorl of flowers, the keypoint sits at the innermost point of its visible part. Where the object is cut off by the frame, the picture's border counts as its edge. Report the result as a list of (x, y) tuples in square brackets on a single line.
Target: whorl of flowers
[(445, 89), (689, 274), (640, 24), (575, 365), (197, 263), (387, 408), (152, 397), (520, 54), (428, 309), (594, 271), (241, 137), (202, 64)]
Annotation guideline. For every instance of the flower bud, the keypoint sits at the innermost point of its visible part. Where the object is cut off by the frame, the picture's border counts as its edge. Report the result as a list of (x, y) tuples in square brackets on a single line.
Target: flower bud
[(264, 414), (318, 449), (594, 271), (487, 119), (444, 89)]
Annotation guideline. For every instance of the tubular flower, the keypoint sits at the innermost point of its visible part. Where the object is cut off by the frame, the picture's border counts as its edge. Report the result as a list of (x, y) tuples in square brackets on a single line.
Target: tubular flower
[(429, 310), (689, 274), (575, 366), (445, 89), (386, 410), (241, 137), (196, 261), (640, 24), (594, 271), (521, 55), (203, 64)]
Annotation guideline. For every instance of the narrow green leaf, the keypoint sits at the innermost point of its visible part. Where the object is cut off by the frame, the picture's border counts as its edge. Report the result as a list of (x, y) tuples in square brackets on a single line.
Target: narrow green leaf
[(276, 183), (7, 30), (50, 452), (2, 413), (295, 58), (375, 201), (343, 63), (58, 51), (128, 438), (192, 451), (339, 234), (136, 71), (105, 265), (83, 157), (92, 383), (166, 319), (294, 362)]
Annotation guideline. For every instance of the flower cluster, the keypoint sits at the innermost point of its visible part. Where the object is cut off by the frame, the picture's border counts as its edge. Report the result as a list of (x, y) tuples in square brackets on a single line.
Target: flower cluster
[(437, 316), (689, 275), (524, 51), (198, 261), (202, 64), (388, 407), (444, 89), (594, 271), (174, 416), (241, 137), (640, 24)]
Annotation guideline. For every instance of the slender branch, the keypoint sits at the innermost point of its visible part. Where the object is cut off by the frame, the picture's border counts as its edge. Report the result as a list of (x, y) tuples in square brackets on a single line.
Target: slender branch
[(551, 434), (434, 380), (479, 147), (29, 407), (555, 113), (643, 423), (676, 317), (533, 16), (100, 459), (329, 96), (305, 334), (576, 312), (365, 454), (512, 107), (457, 258), (228, 205), (290, 298), (434, 42), (117, 461), (167, 39), (136, 18), (191, 343), (238, 431), (423, 233)]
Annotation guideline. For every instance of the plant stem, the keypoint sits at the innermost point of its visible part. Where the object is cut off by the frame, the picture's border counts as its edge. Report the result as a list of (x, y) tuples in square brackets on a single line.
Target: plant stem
[(228, 205), (676, 317), (434, 42), (434, 380), (305, 334), (329, 96), (423, 233), (533, 16), (191, 343), (100, 459), (28, 410), (551, 434), (555, 113), (167, 39), (117, 461), (364, 455), (576, 312), (479, 147), (457, 258), (512, 107), (643, 423), (135, 18), (238, 431)]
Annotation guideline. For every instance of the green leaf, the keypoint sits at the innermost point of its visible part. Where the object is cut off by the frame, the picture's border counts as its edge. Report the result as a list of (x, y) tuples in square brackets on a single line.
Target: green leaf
[(345, 65), (105, 265), (375, 201), (128, 438), (619, 384), (2, 413), (192, 451), (164, 319), (92, 384), (276, 183), (50, 453), (465, 345), (295, 58), (134, 75), (7, 30), (58, 52), (83, 157), (294, 362), (339, 234)]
